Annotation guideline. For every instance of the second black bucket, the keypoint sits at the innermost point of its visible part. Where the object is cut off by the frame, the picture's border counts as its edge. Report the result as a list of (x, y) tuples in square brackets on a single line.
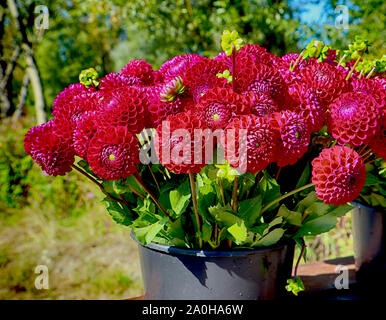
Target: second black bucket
[(369, 235), (171, 273)]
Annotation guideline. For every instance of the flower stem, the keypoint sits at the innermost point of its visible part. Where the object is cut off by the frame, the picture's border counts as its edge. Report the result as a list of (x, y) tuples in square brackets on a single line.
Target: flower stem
[(297, 61), (154, 178), (341, 60), (195, 206), (353, 68), (139, 180), (286, 196), (298, 261), (233, 67), (234, 194), (370, 73), (91, 178), (222, 192)]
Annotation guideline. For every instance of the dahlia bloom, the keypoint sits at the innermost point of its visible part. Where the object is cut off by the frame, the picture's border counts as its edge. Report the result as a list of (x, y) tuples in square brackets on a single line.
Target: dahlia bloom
[(354, 118), (338, 174), (73, 101), (378, 142), (295, 135), (123, 107), (326, 80), (259, 146), (176, 146), (139, 69), (113, 153), (179, 65), (85, 129), (217, 106), (50, 145)]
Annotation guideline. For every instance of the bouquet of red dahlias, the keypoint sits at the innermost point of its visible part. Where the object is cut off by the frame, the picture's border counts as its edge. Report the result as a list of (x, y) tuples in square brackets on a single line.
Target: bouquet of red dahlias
[(246, 149)]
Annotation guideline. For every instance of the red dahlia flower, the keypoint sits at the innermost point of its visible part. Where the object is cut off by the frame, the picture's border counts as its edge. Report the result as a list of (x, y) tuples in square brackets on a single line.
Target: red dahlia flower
[(326, 80), (123, 107), (378, 142), (113, 81), (73, 101), (372, 88), (307, 104), (261, 104), (139, 69), (354, 118), (177, 148), (338, 174), (50, 145), (258, 149), (295, 137), (178, 65), (86, 127), (262, 78), (217, 106), (202, 77), (113, 153)]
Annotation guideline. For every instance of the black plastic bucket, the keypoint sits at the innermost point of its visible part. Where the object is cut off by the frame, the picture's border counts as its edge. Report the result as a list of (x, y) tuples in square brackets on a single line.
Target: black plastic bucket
[(171, 273), (369, 226)]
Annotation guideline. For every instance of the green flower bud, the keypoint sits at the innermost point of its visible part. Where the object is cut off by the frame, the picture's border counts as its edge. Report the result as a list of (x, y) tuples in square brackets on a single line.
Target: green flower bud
[(230, 40), (89, 77), (226, 74)]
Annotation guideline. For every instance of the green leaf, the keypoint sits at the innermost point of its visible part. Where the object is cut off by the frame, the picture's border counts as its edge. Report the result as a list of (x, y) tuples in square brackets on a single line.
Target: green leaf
[(305, 176), (206, 231), (249, 210), (306, 202), (270, 238), (235, 225), (316, 226), (148, 233), (238, 231), (292, 217), (269, 189), (119, 215), (371, 180), (180, 198), (295, 285)]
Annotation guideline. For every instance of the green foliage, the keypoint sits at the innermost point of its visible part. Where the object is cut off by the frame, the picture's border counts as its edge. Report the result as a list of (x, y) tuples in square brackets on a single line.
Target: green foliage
[(295, 285), (374, 192), (230, 41)]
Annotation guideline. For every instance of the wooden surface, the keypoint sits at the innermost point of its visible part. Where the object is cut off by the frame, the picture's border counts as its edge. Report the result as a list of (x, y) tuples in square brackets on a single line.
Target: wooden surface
[(319, 276)]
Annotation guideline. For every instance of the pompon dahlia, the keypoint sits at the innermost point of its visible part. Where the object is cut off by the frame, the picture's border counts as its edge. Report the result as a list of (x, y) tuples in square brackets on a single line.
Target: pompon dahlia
[(354, 118), (85, 129), (259, 54), (177, 147), (217, 106), (307, 104), (139, 69), (372, 88), (168, 99), (50, 145), (250, 143), (261, 104), (378, 142), (113, 153), (262, 78), (112, 81), (202, 77), (295, 137), (338, 174), (73, 101), (178, 65), (123, 107), (326, 80)]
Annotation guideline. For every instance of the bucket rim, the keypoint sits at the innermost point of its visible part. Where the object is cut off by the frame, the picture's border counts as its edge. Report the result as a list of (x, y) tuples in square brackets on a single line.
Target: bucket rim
[(167, 249)]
